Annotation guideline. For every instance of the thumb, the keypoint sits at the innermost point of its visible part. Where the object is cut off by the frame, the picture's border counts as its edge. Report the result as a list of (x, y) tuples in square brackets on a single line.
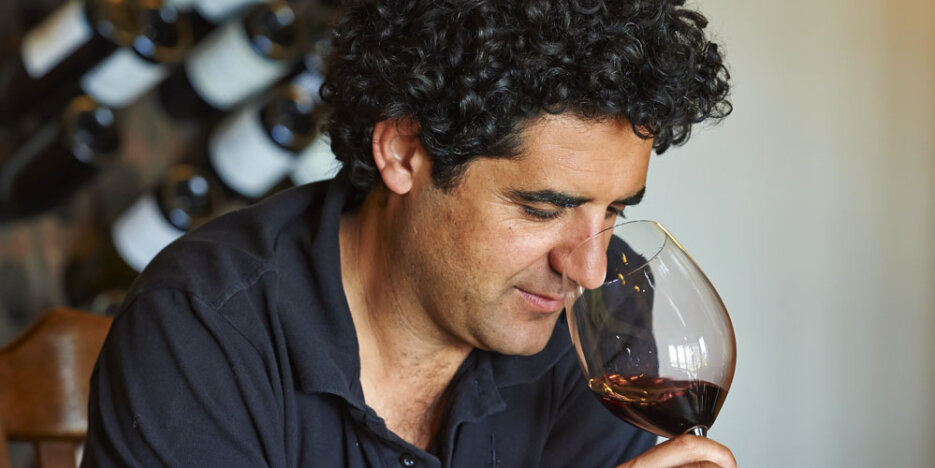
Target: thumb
[(684, 450)]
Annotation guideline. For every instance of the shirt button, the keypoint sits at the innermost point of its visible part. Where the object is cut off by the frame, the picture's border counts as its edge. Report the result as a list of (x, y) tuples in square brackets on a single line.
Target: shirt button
[(407, 460)]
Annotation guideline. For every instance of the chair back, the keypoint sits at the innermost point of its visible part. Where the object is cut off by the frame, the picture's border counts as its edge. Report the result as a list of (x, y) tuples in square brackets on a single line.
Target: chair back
[(44, 381), (4, 455)]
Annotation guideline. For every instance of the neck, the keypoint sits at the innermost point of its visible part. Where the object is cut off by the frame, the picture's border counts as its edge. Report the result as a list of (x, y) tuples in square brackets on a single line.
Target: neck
[(383, 305), (405, 357)]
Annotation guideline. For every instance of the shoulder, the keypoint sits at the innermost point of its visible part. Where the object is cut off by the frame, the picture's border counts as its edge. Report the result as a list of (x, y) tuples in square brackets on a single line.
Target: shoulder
[(176, 380), (227, 272), (234, 251)]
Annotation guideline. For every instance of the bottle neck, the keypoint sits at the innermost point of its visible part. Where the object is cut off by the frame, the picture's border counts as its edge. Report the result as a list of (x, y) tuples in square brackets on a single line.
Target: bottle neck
[(166, 34), (245, 157), (274, 30), (184, 199), (292, 117), (187, 197), (90, 131), (118, 21)]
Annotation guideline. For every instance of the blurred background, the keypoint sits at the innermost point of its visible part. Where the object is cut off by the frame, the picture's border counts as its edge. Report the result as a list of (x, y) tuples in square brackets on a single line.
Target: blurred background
[(812, 207), (125, 123)]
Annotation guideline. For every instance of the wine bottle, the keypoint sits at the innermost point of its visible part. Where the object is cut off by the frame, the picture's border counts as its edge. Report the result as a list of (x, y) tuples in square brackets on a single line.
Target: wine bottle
[(17, 17), (56, 51), (256, 148), (62, 155), (184, 198), (209, 14), (237, 61), (164, 37), (110, 48), (316, 163)]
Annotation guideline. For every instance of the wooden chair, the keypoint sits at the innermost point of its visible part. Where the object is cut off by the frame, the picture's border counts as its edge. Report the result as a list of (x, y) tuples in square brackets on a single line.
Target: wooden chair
[(4, 455), (44, 380)]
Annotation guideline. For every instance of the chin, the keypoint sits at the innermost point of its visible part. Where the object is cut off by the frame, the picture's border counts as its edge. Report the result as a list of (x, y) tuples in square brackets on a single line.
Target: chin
[(529, 352), (533, 341)]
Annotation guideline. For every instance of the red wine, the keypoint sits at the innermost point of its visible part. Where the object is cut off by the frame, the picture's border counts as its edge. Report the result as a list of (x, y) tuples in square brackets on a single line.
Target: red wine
[(661, 406)]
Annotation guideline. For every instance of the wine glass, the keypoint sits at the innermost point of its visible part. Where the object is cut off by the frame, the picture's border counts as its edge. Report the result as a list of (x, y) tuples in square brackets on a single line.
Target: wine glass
[(653, 337)]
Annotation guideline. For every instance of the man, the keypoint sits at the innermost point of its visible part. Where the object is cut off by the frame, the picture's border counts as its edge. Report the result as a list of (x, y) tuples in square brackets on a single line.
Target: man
[(408, 312)]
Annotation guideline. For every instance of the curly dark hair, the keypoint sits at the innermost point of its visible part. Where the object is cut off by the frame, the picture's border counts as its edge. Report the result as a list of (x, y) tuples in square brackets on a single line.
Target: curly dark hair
[(473, 73)]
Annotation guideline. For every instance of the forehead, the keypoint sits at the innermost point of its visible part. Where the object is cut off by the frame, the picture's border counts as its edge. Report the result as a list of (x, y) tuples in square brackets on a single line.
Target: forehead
[(553, 132), (566, 149)]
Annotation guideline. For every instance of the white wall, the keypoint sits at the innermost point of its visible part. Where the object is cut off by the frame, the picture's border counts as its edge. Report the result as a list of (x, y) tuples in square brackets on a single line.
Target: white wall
[(812, 209)]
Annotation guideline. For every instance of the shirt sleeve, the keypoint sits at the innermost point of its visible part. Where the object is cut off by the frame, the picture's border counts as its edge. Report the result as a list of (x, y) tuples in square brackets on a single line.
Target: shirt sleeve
[(584, 433), (177, 385)]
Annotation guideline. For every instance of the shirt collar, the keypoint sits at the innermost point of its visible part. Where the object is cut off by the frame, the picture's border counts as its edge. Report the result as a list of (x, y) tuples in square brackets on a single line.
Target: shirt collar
[(324, 348)]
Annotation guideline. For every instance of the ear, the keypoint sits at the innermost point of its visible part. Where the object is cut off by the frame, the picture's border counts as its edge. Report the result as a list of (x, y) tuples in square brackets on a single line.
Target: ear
[(398, 153)]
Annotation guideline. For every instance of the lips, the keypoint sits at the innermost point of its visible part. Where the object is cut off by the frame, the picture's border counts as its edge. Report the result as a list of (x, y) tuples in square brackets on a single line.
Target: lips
[(546, 303)]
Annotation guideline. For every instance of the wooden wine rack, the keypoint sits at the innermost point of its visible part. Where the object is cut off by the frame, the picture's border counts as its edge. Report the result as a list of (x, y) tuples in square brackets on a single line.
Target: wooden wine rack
[(34, 251)]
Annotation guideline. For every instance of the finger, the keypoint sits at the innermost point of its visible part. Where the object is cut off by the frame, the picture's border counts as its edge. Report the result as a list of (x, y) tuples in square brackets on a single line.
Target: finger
[(701, 465), (682, 451)]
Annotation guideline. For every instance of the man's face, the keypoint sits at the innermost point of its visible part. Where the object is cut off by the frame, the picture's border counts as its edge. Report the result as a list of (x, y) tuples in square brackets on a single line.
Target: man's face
[(484, 260)]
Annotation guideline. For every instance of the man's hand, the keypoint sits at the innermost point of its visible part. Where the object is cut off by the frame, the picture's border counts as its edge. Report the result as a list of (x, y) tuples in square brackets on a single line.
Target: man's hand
[(685, 451)]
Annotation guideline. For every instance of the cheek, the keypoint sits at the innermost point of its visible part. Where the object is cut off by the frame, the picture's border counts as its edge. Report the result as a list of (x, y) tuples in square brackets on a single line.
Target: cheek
[(507, 249), (450, 247), (487, 244)]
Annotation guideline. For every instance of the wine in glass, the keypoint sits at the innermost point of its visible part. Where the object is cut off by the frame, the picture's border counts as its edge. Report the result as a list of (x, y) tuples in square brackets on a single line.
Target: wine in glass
[(652, 335)]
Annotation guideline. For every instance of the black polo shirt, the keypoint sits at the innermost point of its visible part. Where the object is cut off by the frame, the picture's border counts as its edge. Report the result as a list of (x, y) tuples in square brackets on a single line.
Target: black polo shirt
[(236, 348)]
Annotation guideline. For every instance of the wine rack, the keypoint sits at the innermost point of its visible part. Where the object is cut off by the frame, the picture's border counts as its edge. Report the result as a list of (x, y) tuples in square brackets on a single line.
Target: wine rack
[(41, 246)]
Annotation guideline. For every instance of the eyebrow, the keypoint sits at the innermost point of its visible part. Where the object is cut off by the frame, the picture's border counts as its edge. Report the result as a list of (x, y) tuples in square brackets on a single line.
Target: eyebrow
[(565, 200)]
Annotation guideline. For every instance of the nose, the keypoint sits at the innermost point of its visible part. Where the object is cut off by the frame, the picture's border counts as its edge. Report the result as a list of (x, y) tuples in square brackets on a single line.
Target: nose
[(585, 261)]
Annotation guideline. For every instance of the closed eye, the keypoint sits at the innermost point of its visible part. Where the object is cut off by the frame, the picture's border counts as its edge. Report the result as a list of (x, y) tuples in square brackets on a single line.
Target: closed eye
[(552, 214), (541, 214), (614, 211), (563, 201)]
